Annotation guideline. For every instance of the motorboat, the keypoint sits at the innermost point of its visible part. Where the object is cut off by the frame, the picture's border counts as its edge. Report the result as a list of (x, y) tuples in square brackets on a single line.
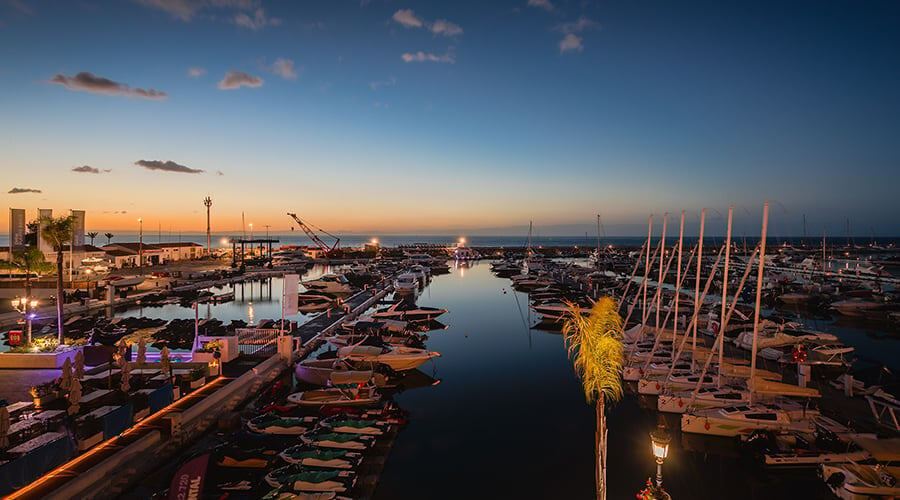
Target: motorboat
[(315, 301), (365, 323), (406, 284), (330, 283), (398, 358), (342, 441), (350, 388), (794, 449), (740, 419), (857, 306), (296, 477), (349, 425), (271, 423), (323, 458), (408, 311), (408, 339), (851, 481), (319, 371)]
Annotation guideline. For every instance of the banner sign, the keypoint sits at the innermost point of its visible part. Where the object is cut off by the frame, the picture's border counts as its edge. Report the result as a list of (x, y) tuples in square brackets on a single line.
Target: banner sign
[(78, 230), (16, 229), (187, 484), (43, 245), (291, 290), (15, 337)]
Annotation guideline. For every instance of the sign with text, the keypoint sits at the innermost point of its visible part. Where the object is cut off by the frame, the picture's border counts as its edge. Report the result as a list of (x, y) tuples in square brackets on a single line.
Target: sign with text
[(291, 290), (17, 229), (78, 230), (15, 337), (43, 245)]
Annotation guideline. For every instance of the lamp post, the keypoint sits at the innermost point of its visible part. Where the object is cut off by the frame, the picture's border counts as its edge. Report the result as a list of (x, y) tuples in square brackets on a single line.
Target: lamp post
[(26, 306), (659, 443), (252, 253), (141, 246)]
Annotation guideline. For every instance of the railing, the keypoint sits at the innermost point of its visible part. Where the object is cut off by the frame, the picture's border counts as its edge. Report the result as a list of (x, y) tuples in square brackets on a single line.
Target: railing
[(257, 340)]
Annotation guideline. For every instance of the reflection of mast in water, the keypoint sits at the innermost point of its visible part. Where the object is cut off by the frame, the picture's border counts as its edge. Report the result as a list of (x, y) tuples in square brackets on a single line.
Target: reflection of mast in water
[(250, 312)]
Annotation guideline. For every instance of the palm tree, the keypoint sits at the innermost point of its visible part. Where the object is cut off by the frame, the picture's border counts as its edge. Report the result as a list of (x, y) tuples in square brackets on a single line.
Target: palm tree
[(92, 235), (595, 344), (30, 260), (109, 237), (57, 232)]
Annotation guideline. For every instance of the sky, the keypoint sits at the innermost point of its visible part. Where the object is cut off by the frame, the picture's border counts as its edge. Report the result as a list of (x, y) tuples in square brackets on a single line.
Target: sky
[(403, 116)]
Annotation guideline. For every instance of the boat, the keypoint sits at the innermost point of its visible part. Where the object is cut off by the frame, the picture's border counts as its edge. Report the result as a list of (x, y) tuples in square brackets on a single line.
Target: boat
[(409, 339), (334, 396), (330, 283), (408, 311), (271, 423), (299, 478), (406, 284), (740, 419), (857, 306), (398, 358), (342, 441), (795, 449), (852, 481), (312, 456), (315, 300), (349, 425), (367, 322)]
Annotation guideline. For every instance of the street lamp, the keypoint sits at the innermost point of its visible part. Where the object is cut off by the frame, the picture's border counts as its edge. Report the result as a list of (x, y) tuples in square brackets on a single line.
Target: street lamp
[(26, 306), (659, 442), (251, 240)]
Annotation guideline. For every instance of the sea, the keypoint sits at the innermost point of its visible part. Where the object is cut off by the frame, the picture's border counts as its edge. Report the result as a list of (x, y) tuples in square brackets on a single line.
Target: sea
[(508, 418)]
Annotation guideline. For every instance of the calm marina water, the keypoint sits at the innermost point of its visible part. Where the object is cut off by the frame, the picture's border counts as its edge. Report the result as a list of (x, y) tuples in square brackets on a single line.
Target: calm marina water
[(509, 419)]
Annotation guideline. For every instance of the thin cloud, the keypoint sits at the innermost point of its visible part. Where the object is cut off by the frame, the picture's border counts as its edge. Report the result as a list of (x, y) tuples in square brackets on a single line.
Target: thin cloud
[(196, 72), (420, 56), (445, 28), (582, 24), (16, 190), (237, 79), (220, 173), (383, 83), (88, 82), (284, 68), (185, 10), (257, 22), (167, 166), (569, 43), (87, 169), (407, 18), (544, 4), (20, 6)]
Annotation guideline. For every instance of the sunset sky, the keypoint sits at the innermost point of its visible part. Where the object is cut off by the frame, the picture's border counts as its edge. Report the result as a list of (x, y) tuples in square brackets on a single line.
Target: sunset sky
[(404, 116)]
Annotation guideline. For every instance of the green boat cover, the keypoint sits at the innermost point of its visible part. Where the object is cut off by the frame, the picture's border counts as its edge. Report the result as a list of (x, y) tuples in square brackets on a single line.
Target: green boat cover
[(309, 477), (350, 422), (337, 438), (319, 454)]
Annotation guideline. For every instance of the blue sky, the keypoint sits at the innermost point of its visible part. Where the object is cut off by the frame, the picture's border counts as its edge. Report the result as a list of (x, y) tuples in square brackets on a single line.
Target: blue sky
[(431, 116)]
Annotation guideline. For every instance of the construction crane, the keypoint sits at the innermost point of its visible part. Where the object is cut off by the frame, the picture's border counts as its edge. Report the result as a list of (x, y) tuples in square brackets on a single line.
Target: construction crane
[(332, 251)]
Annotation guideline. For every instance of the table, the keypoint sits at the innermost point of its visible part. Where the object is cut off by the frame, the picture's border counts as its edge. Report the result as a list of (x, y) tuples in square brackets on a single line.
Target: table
[(47, 437)]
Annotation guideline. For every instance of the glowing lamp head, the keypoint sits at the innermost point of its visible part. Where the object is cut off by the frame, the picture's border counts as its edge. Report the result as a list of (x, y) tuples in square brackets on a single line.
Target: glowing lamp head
[(223, 241), (15, 302), (462, 241), (374, 241), (34, 303), (659, 442)]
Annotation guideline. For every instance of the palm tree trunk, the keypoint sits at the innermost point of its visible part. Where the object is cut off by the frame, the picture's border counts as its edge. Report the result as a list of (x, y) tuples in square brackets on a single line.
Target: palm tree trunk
[(59, 296), (600, 437)]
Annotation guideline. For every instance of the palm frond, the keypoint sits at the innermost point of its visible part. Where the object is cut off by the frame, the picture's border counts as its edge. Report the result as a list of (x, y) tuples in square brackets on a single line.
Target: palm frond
[(594, 343)]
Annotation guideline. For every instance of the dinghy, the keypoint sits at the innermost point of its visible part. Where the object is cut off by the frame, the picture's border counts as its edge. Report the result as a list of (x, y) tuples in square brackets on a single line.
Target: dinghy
[(311, 456), (299, 478)]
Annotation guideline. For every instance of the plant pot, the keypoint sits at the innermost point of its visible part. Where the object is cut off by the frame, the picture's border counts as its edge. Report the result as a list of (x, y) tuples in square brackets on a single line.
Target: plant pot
[(87, 443), (176, 393), (202, 357), (195, 384), (42, 401), (141, 414)]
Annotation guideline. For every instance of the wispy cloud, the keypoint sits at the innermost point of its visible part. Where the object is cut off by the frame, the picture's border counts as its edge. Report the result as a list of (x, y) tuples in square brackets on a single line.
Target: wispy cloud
[(88, 82), (196, 72), (186, 9), (582, 24), (284, 68), (445, 28), (407, 18), (20, 6), (257, 22), (167, 166), (220, 173), (411, 57), (237, 79), (570, 42), (16, 190), (87, 169), (544, 4), (383, 83)]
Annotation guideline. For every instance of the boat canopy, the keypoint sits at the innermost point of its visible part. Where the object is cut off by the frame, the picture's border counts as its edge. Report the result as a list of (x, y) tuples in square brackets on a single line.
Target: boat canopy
[(771, 387), (883, 450), (341, 377)]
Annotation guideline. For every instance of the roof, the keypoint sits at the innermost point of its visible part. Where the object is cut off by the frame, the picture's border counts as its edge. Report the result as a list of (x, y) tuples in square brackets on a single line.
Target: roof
[(119, 253), (178, 244), (85, 248), (133, 247)]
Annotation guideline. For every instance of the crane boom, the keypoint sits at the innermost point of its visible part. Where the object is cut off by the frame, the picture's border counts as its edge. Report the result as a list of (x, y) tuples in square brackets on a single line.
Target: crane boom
[(332, 250)]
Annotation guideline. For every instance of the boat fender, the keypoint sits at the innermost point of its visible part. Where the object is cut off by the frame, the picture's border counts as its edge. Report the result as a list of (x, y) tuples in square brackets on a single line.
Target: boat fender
[(835, 480), (657, 386), (641, 371), (715, 328), (798, 355), (706, 425), (680, 403)]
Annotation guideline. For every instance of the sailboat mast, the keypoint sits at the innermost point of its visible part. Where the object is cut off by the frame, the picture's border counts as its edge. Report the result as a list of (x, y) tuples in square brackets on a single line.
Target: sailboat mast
[(725, 290), (598, 238), (678, 277), (659, 283), (697, 284), (759, 284), (647, 269)]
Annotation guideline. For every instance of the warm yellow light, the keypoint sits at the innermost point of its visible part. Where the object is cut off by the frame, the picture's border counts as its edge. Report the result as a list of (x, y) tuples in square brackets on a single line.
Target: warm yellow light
[(374, 241), (659, 443), (224, 241), (34, 303), (15, 302), (462, 241)]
